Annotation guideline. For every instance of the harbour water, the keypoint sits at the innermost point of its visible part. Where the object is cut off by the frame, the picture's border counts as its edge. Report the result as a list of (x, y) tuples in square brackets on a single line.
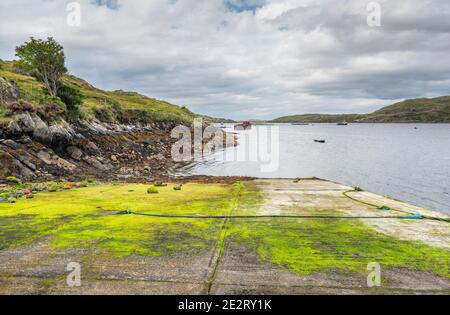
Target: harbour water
[(409, 162)]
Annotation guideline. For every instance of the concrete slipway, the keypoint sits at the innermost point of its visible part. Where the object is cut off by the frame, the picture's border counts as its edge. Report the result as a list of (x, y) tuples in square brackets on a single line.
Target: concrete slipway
[(306, 237)]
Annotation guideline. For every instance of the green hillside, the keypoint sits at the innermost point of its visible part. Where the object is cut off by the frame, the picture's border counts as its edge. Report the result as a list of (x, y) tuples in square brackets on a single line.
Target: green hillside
[(119, 106), (425, 110), (317, 118), (432, 110)]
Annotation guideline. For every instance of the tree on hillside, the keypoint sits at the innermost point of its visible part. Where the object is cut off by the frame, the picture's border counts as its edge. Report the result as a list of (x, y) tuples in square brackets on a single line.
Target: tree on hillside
[(45, 59)]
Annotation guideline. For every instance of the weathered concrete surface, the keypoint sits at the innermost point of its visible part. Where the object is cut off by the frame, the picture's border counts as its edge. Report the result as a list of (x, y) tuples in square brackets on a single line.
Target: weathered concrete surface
[(241, 272), (231, 267)]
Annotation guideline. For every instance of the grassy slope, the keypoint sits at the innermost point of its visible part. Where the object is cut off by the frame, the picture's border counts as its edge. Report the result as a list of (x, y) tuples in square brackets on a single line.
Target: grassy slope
[(435, 110), (157, 110)]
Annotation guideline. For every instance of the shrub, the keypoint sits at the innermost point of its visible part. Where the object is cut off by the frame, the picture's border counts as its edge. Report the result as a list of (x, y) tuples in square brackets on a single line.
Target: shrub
[(18, 107), (74, 114), (70, 96), (134, 115), (152, 190), (177, 187), (45, 98), (104, 114), (49, 112)]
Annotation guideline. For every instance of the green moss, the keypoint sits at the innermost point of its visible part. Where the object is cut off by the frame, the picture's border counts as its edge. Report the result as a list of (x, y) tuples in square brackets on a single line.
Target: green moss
[(152, 190), (86, 217), (306, 246), (177, 187), (12, 179), (53, 188)]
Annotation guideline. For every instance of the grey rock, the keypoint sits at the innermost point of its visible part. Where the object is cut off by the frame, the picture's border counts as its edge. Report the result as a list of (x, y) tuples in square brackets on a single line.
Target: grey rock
[(9, 91), (91, 147), (62, 136), (3, 148), (10, 143), (24, 140), (75, 153), (27, 161), (24, 122), (97, 164), (62, 163), (45, 157), (41, 132), (125, 171)]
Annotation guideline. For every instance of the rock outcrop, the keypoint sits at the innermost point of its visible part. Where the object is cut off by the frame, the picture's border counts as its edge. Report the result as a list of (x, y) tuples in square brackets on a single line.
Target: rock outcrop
[(32, 149), (9, 92)]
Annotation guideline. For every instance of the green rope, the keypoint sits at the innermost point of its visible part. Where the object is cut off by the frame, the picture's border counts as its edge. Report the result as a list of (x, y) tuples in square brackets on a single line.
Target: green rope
[(220, 217), (409, 215)]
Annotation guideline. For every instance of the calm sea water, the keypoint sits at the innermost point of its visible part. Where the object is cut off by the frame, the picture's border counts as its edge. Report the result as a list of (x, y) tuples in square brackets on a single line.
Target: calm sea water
[(395, 160)]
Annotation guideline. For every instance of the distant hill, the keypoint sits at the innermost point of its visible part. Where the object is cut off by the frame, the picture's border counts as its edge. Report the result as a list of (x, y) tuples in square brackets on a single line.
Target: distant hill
[(421, 110), (216, 120)]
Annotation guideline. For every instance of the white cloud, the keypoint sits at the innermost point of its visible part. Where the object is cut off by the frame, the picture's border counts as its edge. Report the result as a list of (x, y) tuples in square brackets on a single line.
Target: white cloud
[(262, 60)]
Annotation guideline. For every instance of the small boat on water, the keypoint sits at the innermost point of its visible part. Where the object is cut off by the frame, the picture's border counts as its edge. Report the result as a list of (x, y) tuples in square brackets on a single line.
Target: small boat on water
[(300, 124), (320, 141), (246, 125), (344, 123)]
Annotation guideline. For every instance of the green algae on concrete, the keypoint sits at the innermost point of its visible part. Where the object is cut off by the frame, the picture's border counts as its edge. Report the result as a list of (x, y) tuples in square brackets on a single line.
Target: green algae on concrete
[(87, 217), (307, 246)]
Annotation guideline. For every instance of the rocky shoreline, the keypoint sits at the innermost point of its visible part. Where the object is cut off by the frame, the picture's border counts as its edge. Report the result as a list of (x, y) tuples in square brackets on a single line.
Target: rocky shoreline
[(34, 150)]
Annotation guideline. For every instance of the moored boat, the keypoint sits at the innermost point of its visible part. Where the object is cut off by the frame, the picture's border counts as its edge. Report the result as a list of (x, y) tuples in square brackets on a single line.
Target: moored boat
[(246, 125)]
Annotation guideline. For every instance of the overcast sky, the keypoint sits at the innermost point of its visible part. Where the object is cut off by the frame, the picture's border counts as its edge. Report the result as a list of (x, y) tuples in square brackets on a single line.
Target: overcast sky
[(248, 58)]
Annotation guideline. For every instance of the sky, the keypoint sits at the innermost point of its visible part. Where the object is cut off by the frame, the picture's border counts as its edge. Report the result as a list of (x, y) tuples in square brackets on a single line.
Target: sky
[(244, 59)]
